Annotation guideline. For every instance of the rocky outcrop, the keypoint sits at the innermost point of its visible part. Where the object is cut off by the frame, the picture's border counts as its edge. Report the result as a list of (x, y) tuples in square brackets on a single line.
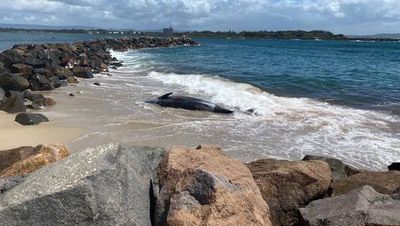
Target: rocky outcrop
[(9, 157), (41, 156), (108, 185), (40, 82), (22, 69), (286, 186), (13, 82), (14, 103), (29, 119), (338, 168), (82, 72), (383, 182), (205, 187), (50, 66), (6, 183), (359, 207)]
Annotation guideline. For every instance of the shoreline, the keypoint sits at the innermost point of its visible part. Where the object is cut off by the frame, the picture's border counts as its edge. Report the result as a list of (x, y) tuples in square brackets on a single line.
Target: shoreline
[(29, 72)]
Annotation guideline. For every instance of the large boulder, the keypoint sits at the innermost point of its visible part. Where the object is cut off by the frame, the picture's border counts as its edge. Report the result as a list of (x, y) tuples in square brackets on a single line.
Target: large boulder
[(30, 119), (6, 183), (36, 57), (24, 70), (40, 82), (12, 82), (3, 70), (286, 186), (338, 168), (14, 103), (108, 185), (205, 187), (10, 57), (82, 72), (359, 207), (9, 157), (62, 73), (43, 155), (383, 182)]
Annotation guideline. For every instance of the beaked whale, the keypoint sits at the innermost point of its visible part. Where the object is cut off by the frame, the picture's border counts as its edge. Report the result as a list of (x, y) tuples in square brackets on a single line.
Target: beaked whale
[(189, 103)]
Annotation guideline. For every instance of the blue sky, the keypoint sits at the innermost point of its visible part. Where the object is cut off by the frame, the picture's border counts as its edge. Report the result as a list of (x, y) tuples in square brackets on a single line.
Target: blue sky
[(339, 16)]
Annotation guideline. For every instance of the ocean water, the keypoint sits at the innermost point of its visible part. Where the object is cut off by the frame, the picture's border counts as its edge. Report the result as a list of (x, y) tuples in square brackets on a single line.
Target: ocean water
[(338, 99), (363, 75)]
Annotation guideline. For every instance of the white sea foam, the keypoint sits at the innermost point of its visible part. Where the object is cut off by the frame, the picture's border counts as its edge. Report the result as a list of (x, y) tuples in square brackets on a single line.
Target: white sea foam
[(303, 124)]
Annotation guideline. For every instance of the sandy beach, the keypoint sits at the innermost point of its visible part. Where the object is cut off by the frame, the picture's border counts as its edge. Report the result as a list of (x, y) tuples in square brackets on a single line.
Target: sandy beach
[(15, 135)]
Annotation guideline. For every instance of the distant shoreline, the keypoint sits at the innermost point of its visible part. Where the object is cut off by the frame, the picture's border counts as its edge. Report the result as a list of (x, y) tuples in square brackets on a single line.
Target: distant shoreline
[(268, 35)]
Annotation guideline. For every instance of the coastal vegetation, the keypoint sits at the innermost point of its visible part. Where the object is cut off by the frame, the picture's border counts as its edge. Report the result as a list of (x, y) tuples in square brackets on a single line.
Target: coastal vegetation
[(279, 35)]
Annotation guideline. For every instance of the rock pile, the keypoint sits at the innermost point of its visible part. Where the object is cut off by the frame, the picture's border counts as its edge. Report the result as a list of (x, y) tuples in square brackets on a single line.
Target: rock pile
[(121, 185), (286, 186)]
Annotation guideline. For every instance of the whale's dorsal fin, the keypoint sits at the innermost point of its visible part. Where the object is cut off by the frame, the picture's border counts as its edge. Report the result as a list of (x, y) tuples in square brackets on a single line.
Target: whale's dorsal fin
[(165, 96)]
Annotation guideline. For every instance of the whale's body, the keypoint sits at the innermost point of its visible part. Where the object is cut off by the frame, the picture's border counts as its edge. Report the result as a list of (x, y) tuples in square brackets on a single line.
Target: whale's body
[(189, 103)]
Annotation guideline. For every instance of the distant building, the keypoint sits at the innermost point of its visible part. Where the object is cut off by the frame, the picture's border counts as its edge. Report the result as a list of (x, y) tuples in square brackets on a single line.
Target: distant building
[(168, 31)]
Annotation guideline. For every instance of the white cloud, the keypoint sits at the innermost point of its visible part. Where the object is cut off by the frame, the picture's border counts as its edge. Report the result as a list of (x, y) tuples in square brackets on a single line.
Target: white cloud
[(346, 16)]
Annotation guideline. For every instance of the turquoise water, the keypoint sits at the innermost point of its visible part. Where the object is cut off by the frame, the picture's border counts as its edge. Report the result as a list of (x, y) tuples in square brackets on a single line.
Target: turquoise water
[(362, 75)]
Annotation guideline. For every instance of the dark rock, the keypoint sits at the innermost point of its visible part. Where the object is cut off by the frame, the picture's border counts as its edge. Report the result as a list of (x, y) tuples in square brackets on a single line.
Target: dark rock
[(24, 70), (32, 96), (393, 166), (11, 82), (338, 168), (108, 185), (82, 72), (57, 82), (10, 57), (40, 82), (116, 64), (3, 70), (43, 71), (62, 73), (2, 95), (14, 103), (6, 60), (28, 119), (96, 84), (6, 183), (383, 182), (71, 95), (362, 206), (82, 60), (9, 157), (36, 58), (288, 185), (41, 103)]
